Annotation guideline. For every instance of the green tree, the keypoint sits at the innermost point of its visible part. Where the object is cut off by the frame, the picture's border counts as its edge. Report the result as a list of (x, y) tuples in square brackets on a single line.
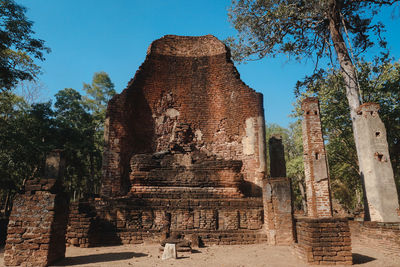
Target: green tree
[(26, 135), (76, 131), (17, 46), (313, 29), (98, 93)]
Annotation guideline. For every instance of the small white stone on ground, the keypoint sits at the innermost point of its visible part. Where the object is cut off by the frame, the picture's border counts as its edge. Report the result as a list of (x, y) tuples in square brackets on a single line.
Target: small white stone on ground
[(169, 252)]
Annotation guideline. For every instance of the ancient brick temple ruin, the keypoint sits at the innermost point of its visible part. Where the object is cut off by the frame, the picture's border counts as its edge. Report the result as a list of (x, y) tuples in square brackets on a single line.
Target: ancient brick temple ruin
[(185, 151)]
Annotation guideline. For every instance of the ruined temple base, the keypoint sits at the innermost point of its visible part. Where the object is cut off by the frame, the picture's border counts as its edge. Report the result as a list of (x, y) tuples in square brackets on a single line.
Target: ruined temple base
[(132, 221), (324, 241)]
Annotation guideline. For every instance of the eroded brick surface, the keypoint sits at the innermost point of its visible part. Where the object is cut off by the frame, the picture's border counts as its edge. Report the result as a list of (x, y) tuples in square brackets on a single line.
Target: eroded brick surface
[(315, 163), (38, 220), (277, 197), (185, 149), (384, 235)]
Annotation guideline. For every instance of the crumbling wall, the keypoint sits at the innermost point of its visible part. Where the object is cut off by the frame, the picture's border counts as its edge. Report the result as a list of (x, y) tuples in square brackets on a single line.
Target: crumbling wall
[(324, 241), (186, 97), (373, 234), (380, 189), (38, 220), (185, 149), (277, 197), (315, 162)]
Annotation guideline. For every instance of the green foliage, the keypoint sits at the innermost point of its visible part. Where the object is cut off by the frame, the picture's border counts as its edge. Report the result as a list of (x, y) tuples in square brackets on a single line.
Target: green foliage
[(99, 93), (299, 28), (97, 96), (26, 135), (76, 137), (74, 124), (17, 46)]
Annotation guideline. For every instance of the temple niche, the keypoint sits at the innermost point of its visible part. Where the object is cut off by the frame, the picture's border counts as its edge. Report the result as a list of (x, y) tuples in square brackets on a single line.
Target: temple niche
[(185, 146)]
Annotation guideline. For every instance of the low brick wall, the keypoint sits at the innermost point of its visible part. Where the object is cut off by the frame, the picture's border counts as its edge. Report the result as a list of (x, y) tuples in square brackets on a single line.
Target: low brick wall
[(324, 241), (80, 224), (384, 235)]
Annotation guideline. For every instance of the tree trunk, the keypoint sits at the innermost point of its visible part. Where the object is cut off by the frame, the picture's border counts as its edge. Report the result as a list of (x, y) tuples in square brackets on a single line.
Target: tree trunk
[(303, 197), (350, 79), (7, 204)]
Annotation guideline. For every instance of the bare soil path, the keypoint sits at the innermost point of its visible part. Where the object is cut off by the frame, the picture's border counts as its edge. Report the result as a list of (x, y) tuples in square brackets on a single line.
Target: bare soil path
[(232, 256)]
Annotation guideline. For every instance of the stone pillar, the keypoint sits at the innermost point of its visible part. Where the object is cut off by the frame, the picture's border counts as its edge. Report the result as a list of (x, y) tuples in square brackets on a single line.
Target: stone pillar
[(276, 156), (378, 178), (315, 163), (38, 220), (277, 197)]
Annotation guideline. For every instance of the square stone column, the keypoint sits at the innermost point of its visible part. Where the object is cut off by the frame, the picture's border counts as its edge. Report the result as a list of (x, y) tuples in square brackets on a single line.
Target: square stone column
[(315, 163), (277, 197), (380, 189)]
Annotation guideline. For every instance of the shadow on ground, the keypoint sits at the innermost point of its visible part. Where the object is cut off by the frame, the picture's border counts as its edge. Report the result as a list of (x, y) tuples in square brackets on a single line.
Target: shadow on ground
[(98, 258), (360, 259)]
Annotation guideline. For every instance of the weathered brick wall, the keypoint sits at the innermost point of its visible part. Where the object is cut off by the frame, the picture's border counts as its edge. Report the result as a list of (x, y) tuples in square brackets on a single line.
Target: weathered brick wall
[(190, 103), (278, 211), (38, 220), (185, 146), (324, 241), (315, 163), (384, 235), (132, 221), (80, 224), (277, 197), (37, 226)]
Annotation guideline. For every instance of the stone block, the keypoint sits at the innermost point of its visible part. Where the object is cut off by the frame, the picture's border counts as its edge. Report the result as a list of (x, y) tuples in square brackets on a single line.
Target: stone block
[(169, 252)]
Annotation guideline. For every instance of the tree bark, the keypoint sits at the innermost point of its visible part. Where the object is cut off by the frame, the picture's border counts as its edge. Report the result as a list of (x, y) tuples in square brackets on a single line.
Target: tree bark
[(350, 79), (303, 197)]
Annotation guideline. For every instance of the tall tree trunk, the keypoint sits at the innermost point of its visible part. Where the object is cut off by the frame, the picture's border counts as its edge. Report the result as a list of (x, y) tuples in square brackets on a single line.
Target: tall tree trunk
[(350, 79)]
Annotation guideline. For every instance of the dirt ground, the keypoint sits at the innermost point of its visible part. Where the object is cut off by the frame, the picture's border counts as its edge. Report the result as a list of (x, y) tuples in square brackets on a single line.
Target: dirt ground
[(232, 256)]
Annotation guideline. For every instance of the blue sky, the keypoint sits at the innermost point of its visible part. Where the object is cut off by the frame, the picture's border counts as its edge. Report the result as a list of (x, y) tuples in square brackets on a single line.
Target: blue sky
[(87, 36)]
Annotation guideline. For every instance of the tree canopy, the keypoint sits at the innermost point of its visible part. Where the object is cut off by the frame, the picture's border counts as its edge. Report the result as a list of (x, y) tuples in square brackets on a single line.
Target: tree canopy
[(18, 47), (74, 124), (300, 28)]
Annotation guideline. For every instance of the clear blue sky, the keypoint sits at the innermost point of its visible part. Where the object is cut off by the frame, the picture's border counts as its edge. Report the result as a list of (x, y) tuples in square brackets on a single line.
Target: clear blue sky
[(87, 36)]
